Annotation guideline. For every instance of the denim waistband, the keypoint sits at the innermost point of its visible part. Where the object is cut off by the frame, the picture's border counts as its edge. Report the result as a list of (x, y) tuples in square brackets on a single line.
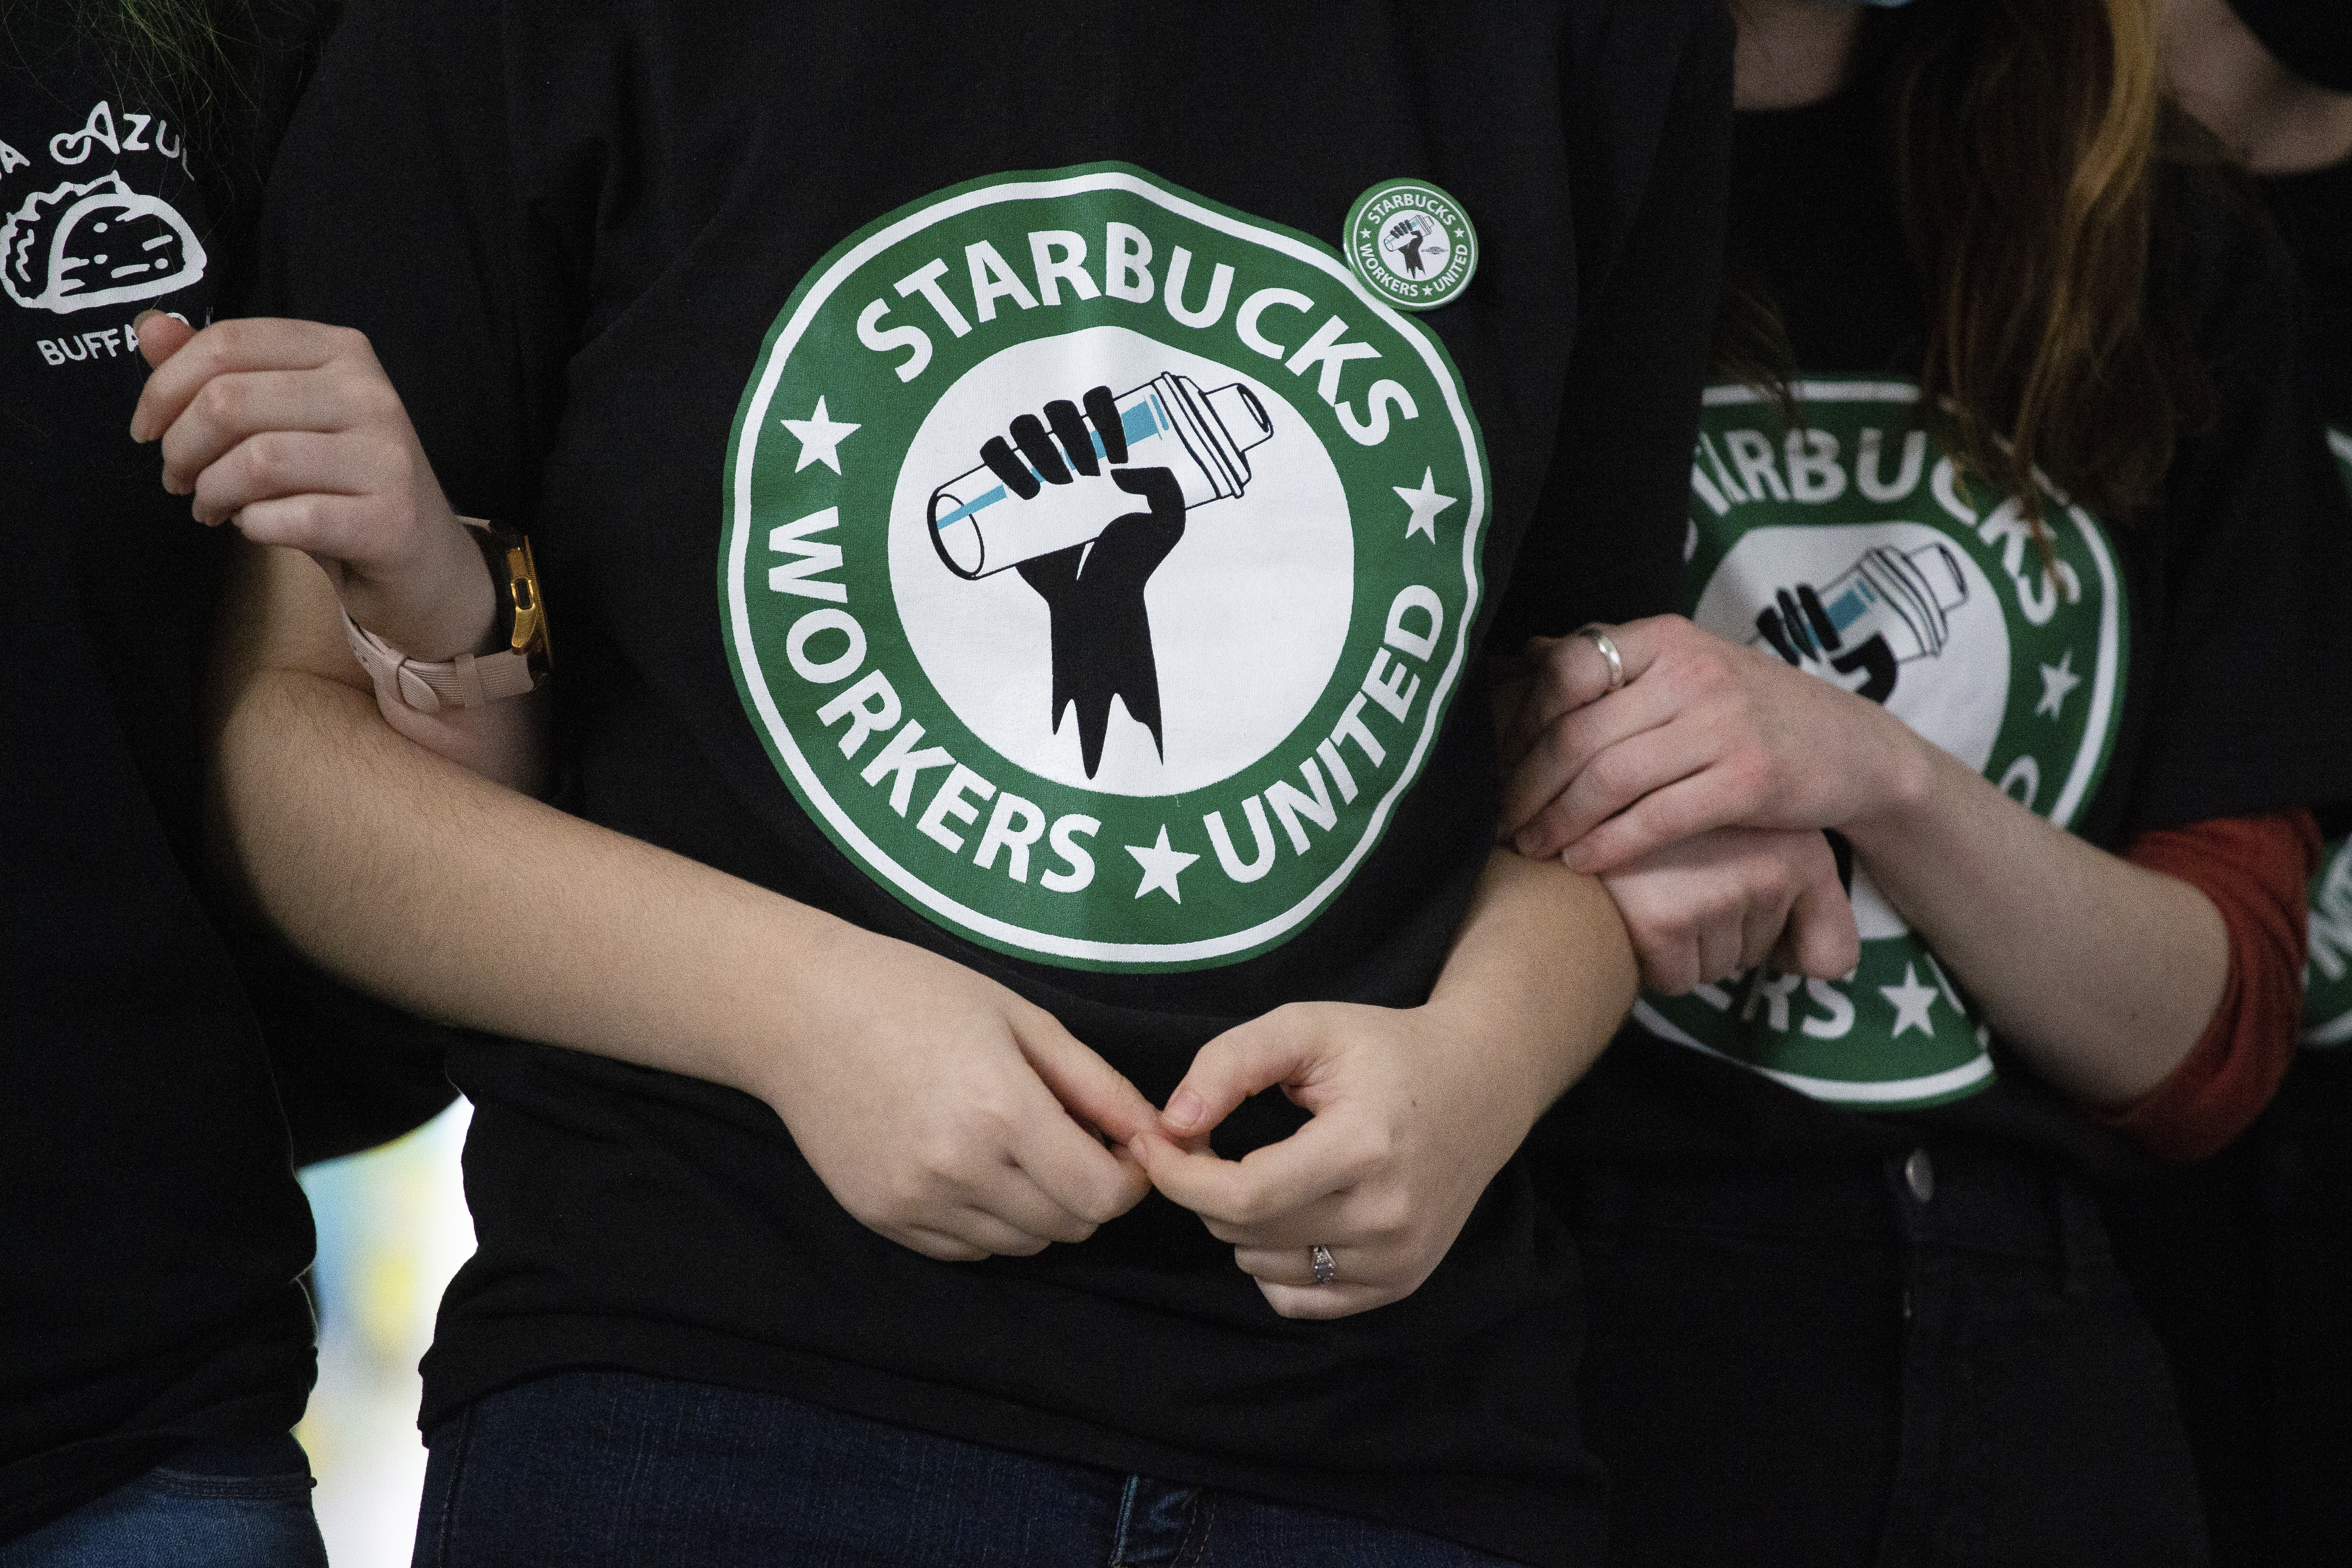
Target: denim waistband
[(278, 1454), (1953, 1195)]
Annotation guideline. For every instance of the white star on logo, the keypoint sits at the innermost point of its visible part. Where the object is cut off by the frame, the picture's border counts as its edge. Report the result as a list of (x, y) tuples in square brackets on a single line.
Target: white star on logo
[(1162, 866), (1912, 1001), (821, 435), (1426, 504), (2057, 681)]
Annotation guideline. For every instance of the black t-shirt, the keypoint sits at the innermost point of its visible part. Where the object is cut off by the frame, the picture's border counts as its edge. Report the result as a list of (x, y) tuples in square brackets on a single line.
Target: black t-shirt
[(149, 1217), (159, 1056), (2142, 689), (738, 309), (2314, 213)]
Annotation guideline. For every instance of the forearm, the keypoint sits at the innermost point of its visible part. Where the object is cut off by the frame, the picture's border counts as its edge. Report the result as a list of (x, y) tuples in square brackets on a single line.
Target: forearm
[(289, 432), (1541, 975), (1413, 1111), (2100, 972), (505, 742), (416, 880), (2274, 120)]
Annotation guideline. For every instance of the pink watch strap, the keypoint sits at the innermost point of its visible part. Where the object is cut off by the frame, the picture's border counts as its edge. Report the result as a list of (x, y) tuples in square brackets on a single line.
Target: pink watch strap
[(466, 681)]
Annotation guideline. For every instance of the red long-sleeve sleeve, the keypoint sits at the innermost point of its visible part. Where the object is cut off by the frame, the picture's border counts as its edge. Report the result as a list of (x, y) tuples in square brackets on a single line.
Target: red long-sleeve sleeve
[(2254, 869)]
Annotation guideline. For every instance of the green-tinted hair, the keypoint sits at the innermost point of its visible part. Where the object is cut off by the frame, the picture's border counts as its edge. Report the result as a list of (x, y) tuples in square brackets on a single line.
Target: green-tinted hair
[(197, 57)]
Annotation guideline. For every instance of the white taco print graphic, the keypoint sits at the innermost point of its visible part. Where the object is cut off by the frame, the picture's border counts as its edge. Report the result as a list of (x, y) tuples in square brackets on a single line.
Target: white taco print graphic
[(95, 243)]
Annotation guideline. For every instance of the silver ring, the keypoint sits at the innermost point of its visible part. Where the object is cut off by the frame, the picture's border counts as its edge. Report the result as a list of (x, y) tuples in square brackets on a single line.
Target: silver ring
[(1319, 1259), (1599, 634)]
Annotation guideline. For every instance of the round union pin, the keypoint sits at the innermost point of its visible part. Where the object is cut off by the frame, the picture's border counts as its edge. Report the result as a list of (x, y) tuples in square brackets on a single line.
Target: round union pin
[(1413, 242)]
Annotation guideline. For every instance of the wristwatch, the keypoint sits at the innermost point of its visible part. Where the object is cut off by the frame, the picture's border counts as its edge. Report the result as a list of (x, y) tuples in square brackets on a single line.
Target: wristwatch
[(468, 681)]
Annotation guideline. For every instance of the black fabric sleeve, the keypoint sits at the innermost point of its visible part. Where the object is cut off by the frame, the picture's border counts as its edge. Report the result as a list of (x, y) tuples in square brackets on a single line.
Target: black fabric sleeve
[(1606, 543), (393, 207), (396, 208), (2314, 213), (352, 1072), (2252, 710)]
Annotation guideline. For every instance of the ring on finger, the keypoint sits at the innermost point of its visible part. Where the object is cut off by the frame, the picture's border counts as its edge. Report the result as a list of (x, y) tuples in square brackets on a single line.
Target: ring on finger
[(1318, 1260), (1599, 635)]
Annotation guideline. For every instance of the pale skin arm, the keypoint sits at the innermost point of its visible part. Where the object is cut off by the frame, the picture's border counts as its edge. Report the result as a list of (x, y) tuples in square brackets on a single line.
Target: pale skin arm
[(932, 1101), (2272, 119), (1415, 1109), (2101, 974), (291, 433), (929, 1099), (1716, 904), (1790, 53)]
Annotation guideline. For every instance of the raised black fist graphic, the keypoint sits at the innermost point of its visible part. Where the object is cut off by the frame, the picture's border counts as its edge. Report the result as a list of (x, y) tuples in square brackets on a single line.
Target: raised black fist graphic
[(1094, 590)]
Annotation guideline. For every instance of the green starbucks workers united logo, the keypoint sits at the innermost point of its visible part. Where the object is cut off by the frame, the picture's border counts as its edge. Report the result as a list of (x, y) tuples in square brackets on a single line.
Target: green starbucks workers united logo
[(1852, 547), (2328, 968), (1098, 564), (2327, 972), (1411, 244)]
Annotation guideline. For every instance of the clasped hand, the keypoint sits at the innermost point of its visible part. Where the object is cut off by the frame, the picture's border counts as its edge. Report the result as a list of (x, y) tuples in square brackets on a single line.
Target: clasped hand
[(1402, 1143), (291, 432), (1698, 792), (961, 1121), (941, 1109)]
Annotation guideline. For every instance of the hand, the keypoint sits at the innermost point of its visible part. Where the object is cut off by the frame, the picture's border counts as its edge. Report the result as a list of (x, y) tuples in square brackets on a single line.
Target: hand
[(291, 431), (955, 1117), (1101, 627), (1399, 1147), (1717, 905), (1081, 436), (1704, 734)]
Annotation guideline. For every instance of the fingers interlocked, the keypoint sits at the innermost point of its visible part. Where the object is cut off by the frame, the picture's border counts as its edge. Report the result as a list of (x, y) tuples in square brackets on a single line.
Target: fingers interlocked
[(1355, 1180)]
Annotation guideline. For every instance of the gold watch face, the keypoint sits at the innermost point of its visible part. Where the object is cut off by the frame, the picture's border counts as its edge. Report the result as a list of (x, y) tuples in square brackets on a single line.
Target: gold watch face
[(530, 637)]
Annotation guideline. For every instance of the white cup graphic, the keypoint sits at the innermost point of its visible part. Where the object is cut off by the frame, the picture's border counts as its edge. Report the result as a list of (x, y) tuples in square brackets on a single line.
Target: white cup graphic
[(1903, 599), (1416, 246), (980, 526)]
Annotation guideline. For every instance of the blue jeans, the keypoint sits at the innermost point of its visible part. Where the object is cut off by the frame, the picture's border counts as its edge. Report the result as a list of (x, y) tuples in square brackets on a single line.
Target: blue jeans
[(212, 1505), (1919, 1364), (587, 1469)]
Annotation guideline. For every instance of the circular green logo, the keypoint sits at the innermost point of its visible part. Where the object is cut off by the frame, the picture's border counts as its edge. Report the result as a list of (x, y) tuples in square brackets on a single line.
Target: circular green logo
[(1098, 565), (1411, 244), (2327, 973), (2327, 969), (1851, 549)]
